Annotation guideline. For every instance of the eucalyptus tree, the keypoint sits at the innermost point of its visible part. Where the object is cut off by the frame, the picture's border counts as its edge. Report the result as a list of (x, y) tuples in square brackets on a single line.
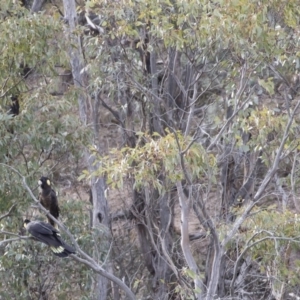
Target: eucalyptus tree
[(203, 100)]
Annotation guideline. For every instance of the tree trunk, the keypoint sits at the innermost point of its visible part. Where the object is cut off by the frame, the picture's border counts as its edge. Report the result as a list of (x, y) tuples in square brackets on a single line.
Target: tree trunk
[(156, 240), (37, 6), (185, 205), (163, 273), (100, 216)]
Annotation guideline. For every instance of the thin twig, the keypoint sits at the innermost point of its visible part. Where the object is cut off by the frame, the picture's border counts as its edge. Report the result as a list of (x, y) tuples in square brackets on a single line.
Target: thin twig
[(229, 120), (14, 240), (9, 212)]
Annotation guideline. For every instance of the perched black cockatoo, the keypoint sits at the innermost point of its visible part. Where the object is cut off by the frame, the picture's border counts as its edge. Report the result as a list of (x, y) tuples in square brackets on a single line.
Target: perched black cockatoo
[(48, 198), (14, 108), (50, 236)]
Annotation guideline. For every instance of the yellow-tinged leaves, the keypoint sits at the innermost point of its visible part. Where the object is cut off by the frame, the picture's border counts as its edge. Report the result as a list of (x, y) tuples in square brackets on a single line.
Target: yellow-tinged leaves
[(266, 127), (159, 156), (268, 85), (269, 232)]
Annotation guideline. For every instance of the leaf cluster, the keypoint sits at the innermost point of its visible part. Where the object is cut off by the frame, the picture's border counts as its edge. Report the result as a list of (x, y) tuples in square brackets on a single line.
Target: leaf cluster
[(266, 127), (275, 238), (156, 158)]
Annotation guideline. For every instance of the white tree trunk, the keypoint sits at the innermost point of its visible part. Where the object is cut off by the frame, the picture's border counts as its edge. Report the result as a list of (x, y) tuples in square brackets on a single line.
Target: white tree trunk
[(100, 219), (185, 241)]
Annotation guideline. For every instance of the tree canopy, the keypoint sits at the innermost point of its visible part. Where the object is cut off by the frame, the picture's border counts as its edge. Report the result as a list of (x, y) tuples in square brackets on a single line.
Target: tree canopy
[(170, 130)]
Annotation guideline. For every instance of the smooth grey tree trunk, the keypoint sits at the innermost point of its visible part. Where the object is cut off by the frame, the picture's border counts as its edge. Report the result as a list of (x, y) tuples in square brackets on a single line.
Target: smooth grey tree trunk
[(37, 5), (100, 216), (185, 205)]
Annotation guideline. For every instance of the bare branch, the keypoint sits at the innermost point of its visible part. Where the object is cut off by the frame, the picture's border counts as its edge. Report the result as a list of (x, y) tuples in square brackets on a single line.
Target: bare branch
[(9, 212), (295, 199), (229, 120), (192, 108), (96, 268), (2, 243), (114, 113), (18, 237)]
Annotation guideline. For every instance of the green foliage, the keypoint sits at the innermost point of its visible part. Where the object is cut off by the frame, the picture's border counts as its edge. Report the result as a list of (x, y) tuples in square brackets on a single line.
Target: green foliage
[(155, 158), (275, 240), (213, 38), (247, 30), (46, 138), (265, 125)]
